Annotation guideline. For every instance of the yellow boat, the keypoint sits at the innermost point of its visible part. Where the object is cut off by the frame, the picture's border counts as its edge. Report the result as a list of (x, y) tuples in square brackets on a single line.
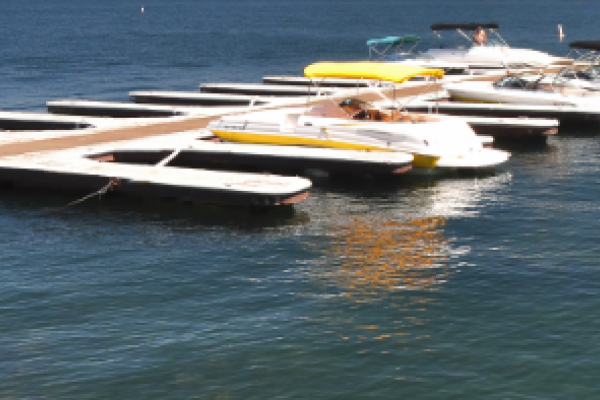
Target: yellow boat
[(433, 141)]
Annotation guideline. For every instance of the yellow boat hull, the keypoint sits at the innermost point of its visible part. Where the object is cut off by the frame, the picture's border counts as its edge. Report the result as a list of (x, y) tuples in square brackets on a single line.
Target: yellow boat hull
[(256, 138), (423, 161), (419, 160)]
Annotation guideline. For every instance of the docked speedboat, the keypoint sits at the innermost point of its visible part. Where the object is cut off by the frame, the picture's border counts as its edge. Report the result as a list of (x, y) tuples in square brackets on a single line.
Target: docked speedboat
[(401, 49), (585, 71), (495, 53), (522, 89), (587, 51), (433, 141)]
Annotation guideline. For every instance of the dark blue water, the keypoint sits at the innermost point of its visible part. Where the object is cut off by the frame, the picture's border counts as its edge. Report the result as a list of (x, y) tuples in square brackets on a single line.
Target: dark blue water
[(450, 288)]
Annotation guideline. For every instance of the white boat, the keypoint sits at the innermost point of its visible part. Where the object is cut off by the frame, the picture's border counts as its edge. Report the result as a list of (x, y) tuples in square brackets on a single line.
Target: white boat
[(494, 53), (585, 71), (591, 57), (433, 141), (401, 49), (522, 89)]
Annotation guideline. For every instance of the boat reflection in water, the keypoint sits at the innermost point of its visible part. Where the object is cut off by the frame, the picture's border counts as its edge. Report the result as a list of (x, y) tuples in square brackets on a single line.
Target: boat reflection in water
[(388, 269), (379, 256)]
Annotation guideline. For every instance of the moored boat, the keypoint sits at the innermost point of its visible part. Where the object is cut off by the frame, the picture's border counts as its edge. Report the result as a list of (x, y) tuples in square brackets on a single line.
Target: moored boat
[(433, 141), (492, 52), (585, 71), (523, 89)]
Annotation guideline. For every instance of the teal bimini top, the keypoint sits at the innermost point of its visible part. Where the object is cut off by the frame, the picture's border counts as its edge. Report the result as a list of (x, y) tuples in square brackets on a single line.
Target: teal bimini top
[(394, 40)]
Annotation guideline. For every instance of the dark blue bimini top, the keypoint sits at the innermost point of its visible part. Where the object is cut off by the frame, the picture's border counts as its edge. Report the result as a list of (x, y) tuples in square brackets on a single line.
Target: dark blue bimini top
[(469, 26)]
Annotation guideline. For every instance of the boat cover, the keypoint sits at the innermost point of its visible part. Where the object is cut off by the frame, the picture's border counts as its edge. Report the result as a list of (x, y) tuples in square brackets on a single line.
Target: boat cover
[(394, 40), (470, 26), (586, 44), (369, 70)]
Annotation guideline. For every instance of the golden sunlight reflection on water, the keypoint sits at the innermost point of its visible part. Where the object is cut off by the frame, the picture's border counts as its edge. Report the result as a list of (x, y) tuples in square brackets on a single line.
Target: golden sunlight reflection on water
[(380, 265), (379, 256), (383, 271)]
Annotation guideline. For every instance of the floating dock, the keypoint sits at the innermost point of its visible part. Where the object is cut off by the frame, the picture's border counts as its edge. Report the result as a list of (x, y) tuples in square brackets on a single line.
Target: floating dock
[(128, 110), (196, 99), (210, 152), (25, 121), (264, 90), (111, 109), (566, 115), (82, 169), (142, 149)]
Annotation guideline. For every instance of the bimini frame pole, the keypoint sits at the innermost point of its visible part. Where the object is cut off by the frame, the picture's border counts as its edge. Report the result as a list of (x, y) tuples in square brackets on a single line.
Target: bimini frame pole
[(437, 96), (495, 32), (393, 101), (308, 87), (462, 33)]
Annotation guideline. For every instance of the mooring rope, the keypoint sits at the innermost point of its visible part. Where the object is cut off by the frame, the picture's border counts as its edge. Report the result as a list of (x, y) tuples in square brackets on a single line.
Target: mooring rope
[(112, 182)]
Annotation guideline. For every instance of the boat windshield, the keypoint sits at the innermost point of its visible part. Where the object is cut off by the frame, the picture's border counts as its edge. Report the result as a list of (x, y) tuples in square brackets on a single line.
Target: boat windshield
[(491, 42), (588, 74), (470, 35), (527, 82), (587, 52), (594, 71), (465, 42), (511, 82)]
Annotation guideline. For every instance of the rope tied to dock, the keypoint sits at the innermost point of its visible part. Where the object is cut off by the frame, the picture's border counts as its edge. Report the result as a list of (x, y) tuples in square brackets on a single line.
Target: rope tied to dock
[(112, 182)]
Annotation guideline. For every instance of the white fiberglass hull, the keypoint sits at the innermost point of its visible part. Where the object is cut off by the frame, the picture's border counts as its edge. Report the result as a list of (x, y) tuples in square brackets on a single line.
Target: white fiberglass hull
[(485, 92), (442, 144), (482, 158), (441, 64), (569, 82), (497, 56)]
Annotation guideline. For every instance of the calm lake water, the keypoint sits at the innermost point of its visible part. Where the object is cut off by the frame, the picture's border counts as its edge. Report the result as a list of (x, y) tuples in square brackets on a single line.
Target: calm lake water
[(450, 288)]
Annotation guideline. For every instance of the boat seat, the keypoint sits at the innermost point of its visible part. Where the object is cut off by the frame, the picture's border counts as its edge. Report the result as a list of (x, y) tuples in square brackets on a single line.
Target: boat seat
[(404, 118), (532, 86), (420, 118), (374, 115), (290, 122), (331, 111)]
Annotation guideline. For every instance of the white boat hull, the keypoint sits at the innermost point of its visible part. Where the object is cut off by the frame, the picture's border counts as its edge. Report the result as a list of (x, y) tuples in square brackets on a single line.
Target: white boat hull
[(504, 56), (485, 92), (441, 144)]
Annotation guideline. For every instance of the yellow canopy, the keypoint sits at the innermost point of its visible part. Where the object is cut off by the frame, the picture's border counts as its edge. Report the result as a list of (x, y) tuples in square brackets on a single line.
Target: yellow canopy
[(388, 71)]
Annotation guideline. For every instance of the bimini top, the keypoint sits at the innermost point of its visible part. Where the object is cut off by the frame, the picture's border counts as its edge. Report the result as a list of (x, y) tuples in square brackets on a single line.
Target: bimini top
[(586, 44), (394, 40), (369, 70), (470, 26)]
